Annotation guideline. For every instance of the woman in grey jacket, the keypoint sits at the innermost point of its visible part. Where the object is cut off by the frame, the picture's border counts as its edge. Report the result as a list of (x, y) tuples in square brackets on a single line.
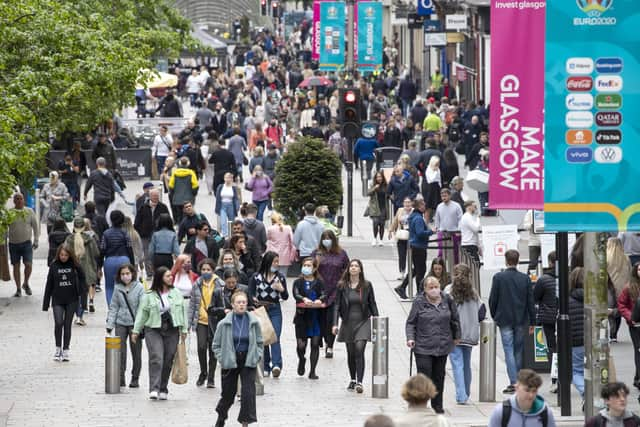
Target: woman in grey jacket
[(433, 329), (471, 312), (122, 315), (238, 346), (164, 247)]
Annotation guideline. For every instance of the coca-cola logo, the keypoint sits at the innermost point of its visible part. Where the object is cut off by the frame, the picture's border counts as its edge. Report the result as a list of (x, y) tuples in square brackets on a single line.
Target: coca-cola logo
[(579, 84)]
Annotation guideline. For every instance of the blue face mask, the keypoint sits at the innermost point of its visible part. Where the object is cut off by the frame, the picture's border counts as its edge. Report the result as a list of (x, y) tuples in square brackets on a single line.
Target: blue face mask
[(207, 276), (274, 269), (306, 271)]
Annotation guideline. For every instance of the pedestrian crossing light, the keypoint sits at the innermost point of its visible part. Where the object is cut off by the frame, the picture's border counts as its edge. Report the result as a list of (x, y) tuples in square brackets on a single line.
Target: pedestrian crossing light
[(349, 112), (263, 7)]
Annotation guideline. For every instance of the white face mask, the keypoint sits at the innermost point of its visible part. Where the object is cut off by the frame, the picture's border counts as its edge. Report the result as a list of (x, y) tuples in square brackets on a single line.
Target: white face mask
[(433, 293)]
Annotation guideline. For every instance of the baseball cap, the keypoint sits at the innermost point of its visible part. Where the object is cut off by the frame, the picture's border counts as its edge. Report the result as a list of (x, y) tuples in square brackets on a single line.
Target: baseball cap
[(147, 185)]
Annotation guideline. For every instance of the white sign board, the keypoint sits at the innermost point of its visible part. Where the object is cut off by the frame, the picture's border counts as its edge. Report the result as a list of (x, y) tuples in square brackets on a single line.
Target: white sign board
[(496, 241), (435, 39), (548, 244), (456, 22)]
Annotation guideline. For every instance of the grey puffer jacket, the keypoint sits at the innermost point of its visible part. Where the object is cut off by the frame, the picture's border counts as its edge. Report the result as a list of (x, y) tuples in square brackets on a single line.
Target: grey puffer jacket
[(433, 327), (118, 311)]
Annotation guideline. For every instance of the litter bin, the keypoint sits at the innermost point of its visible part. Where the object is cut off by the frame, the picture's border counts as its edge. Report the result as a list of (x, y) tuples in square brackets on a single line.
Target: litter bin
[(535, 352)]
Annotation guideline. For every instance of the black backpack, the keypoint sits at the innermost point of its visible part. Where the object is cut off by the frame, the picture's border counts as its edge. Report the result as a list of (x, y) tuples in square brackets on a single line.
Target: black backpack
[(506, 414), (600, 421)]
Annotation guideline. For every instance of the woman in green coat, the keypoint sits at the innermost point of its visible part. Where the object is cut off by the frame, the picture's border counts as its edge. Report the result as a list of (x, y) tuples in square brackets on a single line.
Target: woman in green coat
[(161, 314), (377, 207)]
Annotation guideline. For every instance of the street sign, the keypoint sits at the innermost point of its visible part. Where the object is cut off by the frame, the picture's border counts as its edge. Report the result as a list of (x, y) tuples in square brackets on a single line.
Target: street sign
[(424, 7), (435, 39), (456, 22), (432, 26), (590, 173), (415, 21)]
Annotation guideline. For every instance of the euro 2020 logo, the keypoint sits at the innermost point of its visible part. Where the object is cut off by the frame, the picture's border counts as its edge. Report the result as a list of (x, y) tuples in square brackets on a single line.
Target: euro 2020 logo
[(594, 8)]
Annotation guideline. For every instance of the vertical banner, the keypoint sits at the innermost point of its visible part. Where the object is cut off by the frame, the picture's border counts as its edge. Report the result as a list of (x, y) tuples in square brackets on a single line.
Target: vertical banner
[(369, 35), (332, 35), (315, 31), (592, 104), (517, 102)]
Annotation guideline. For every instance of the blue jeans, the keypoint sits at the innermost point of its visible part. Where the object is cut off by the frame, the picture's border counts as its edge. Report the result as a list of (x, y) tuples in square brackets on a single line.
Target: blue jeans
[(111, 266), (513, 344), (577, 359), (461, 365), (226, 215), (160, 161), (273, 353), (262, 205)]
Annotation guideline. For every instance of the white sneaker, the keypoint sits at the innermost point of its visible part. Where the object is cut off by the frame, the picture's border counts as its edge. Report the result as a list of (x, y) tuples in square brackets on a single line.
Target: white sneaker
[(153, 395), (380, 243), (374, 242), (65, 355), (162, 396), (58, 354)]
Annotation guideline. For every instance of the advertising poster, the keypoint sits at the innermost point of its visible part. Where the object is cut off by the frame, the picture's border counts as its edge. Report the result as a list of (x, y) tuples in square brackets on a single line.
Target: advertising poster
[(496, 241), (592, 101), (517, 102), (369, 35), (539, 346), (332, 35), (315, 31)]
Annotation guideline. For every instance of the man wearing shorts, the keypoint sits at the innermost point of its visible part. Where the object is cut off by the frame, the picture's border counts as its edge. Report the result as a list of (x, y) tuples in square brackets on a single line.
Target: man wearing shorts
[(20, 244)]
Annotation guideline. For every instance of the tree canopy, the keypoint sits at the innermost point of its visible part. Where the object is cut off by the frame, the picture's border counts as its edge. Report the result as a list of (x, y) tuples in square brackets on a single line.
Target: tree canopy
[(67, 65)]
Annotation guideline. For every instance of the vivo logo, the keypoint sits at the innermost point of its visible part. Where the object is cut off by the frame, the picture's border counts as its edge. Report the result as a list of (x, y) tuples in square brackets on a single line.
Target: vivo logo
[(579, 66), (579, 119), (579, 155), (608, 154), (579, 101), (608, 83)]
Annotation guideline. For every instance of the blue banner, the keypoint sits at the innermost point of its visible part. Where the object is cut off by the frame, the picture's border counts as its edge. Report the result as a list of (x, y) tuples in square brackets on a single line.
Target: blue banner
[(592, 99), (424, 7), (332, 35), (369, 35)]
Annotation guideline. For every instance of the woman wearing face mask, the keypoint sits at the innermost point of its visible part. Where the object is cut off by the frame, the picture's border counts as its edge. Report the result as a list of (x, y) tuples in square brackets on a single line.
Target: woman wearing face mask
[(433, 331), (161, 314), (221, 303), (280, 241), (356, 305), (308, 291), (267, 287), (400, 230), (332, 263), (261, 188), (201, 300), (122, 315), (237, 344), (239, 246), (229, 261), (184, 278)]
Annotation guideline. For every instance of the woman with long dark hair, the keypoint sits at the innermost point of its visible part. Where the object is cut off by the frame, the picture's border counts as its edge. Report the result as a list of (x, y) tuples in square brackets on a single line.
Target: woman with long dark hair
[(332, 261), (308, 291), (377, 207), (267, 287), (626, 302), (161, 314), (439, 271), (116, 249), (65, 284), (164, 246), (356, 305)]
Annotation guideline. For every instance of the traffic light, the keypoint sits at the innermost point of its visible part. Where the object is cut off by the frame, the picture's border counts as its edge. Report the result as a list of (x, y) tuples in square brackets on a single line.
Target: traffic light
[(275, 10), (263, 6), (349, 112)]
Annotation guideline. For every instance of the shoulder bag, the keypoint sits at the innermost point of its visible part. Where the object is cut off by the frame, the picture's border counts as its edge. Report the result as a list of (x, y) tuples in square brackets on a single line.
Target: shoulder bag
[(133, 316)]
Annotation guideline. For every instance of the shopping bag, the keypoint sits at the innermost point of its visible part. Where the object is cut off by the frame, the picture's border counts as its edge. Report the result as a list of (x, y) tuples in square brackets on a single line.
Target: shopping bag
[(266, 327), (179, 372), (66, 210)]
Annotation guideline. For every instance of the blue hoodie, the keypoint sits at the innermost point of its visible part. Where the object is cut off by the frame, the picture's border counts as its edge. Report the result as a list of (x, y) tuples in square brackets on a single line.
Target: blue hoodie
[(364, 148), (418, 231)]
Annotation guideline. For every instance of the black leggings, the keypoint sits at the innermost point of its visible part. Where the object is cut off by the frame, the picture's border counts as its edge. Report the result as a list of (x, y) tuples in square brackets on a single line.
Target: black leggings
[(329, 338), (355, 359), (315, 350), (378, 226), (63, 317)]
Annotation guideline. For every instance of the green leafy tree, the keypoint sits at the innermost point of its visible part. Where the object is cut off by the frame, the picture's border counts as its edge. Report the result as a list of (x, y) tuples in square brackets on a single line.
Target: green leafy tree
[(68, 65), (308, 172)]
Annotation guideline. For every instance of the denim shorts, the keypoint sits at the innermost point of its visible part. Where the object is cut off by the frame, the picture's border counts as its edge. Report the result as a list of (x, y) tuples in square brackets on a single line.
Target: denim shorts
[(22, 250)]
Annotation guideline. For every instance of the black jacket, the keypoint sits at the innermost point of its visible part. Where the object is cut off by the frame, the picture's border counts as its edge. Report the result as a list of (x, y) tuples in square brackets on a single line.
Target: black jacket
[(576, 316), (418, 113), (370, 308), (544, 296), (213, 250), (146, 222), (433, 328), (102, 183), (65, 284), (303, 318), (107, 151), (221, 300), (189, 222), (223, 162), (511, 299), (56, 238)]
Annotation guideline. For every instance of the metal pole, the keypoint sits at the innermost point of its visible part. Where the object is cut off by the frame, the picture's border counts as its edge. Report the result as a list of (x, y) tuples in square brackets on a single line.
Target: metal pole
[(564, 327), (349, 166), (112, 365), (596, 334), (487, 361), (380, 359), (363, 178), (259, 380), (411, 293), (349, 52)]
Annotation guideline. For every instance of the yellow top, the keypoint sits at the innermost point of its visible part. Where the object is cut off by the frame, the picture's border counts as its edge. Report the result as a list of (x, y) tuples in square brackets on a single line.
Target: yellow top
[(207, 293)]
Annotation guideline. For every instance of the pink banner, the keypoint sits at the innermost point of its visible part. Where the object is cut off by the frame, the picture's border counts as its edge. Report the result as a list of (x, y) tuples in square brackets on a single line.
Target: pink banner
[(315, 31), (516, 172)]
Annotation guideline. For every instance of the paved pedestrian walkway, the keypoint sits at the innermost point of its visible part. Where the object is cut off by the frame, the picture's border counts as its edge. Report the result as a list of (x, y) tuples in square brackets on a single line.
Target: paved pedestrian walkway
[(36, 391)]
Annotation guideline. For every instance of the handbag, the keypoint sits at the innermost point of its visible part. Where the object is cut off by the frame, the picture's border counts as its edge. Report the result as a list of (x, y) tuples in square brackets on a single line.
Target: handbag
[(179, 371), (402, 234), (166, 322), (366, 212), (266, 327), (245, 161), (133, 316)]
